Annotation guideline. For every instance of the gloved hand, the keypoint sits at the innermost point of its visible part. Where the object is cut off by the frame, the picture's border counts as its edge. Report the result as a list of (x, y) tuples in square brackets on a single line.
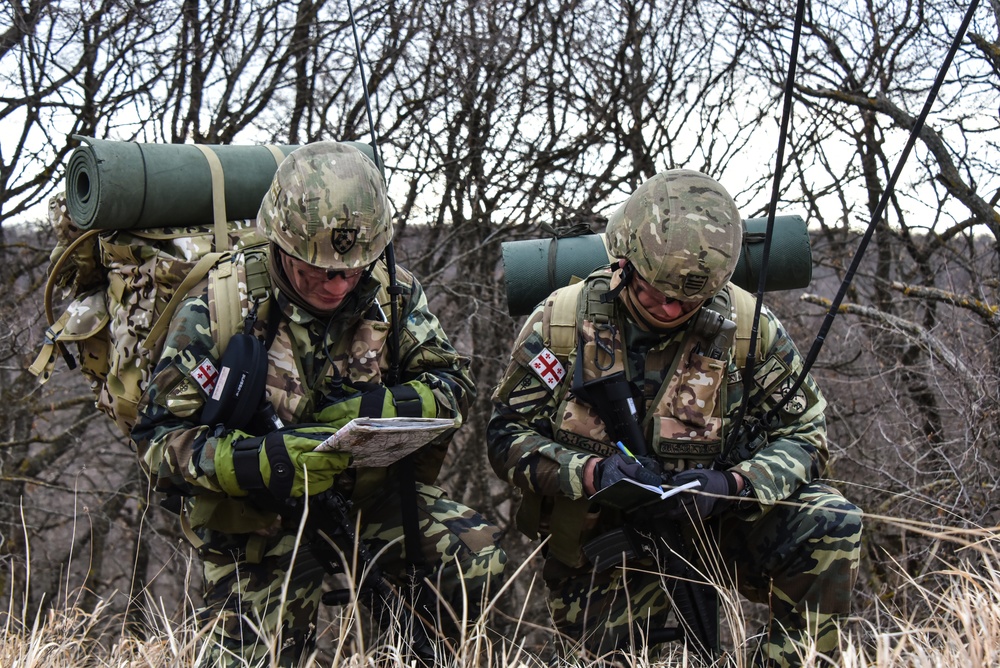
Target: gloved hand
[(715, 494), (281, 462), (413, 399), (612, 469)]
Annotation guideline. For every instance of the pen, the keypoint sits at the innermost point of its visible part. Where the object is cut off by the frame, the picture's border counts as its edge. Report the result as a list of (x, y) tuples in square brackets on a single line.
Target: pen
[(625, 451)]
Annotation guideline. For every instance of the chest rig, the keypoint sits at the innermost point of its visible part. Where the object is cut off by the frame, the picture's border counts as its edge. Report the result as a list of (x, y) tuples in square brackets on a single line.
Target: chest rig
[(300, 358), (678, 386), (586, 334)]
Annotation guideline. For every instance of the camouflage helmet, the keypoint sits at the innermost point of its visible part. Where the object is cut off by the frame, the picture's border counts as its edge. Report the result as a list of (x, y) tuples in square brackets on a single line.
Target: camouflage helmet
[(681, 231), (327, 206)]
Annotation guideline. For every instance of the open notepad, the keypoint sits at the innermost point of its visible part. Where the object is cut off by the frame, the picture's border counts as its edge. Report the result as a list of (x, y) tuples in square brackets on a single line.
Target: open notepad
[(628, 494), (376, 442)]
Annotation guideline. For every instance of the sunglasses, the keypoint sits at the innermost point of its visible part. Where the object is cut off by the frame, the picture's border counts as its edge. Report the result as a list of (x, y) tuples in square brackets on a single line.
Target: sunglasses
[(311, 273)]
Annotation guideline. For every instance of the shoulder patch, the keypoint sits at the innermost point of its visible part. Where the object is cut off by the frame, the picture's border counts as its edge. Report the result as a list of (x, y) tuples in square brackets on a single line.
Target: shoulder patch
[(548, 368), (769, 374), (797, 404), (525, 393), (205, 375)]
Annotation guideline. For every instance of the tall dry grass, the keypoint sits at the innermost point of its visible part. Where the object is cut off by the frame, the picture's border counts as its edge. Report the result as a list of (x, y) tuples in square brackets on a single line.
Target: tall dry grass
[(951, 617)]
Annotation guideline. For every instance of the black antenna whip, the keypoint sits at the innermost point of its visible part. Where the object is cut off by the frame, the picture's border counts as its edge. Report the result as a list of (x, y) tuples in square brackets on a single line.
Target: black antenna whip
[(405, 471), (779, 168), (364, 89), (390, 254), (879, 210)]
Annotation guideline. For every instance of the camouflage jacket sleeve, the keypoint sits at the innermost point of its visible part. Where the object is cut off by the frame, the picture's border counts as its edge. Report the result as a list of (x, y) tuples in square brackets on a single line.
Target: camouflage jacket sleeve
[(174, 449), (522, 450), (427, 356), (795, 450)]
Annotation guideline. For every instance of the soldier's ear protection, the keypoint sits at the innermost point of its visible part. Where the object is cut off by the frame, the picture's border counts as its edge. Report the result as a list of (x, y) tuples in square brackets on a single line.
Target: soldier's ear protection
[(240, 389)]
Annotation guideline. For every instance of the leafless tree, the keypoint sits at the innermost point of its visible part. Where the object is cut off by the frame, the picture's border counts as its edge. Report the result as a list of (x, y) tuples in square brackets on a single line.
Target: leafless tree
[(911, 369)]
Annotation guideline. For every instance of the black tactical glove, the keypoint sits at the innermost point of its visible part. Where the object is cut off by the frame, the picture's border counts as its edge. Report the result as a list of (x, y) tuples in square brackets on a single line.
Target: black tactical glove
[(616, 467), (715, 494)]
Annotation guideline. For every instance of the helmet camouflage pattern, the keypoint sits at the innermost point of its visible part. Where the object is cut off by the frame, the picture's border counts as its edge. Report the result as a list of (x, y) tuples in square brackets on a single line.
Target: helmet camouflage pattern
[(327, 206), (681, 231)]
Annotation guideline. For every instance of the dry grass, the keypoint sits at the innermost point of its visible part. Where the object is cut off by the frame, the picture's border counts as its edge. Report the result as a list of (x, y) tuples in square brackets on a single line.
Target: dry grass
[(951, 618)]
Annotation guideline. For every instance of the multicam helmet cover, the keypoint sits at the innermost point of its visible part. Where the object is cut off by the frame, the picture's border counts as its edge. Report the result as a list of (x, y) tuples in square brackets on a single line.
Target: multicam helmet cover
[(681, 231), (327, 206)]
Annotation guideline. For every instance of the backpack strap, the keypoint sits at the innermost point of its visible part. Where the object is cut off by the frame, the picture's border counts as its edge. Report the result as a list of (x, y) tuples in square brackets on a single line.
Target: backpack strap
[(228, 309), (593, 306), (226, 278), (218, 197), (737, 304), (743, 304), (568, 307), (195, 276), (559, 320)]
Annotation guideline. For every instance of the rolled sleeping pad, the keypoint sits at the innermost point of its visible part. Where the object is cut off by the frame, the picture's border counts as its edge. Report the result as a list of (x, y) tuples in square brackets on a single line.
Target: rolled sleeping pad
[(790, 263), (533, 268), (114, 185)]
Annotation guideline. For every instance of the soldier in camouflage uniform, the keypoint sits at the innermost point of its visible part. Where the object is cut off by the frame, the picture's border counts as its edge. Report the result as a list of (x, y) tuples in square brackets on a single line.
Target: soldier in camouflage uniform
[(786, 539), (327, 331)]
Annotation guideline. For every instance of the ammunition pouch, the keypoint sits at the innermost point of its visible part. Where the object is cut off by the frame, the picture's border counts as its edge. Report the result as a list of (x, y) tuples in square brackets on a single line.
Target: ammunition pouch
[(577, 519), (613, 548)]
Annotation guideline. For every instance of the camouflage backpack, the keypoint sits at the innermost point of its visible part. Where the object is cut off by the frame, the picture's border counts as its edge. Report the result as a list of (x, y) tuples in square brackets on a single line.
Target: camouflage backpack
[(125, 285)]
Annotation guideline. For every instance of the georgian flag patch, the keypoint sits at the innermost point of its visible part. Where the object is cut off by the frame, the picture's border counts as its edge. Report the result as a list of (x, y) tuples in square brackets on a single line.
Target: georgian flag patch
[(547, 367), (206, 375)]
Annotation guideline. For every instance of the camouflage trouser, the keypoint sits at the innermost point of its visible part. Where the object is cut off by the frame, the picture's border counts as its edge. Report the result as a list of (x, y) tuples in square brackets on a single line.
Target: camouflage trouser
[(801, 559), (245, 576)]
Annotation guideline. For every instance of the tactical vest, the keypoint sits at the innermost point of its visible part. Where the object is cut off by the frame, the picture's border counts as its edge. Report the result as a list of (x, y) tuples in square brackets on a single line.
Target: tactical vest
[(359, 354), (295, 370), (684, 421)]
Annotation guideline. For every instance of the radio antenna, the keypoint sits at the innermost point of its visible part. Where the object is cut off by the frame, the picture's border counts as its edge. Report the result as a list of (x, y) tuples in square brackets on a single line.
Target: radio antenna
[(364, 89), (406, 471)]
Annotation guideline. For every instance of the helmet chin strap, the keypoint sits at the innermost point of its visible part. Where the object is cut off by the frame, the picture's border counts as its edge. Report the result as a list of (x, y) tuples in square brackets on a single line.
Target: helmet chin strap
[(646, 320), (625, 277)]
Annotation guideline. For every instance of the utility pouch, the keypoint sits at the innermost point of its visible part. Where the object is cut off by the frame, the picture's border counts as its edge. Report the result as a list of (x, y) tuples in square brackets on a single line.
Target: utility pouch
[(567, 522), (612, 398), (687, 421), (239, 390)]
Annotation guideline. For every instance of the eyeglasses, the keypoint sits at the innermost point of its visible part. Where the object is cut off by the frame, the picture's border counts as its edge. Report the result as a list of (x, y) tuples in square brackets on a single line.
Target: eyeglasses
[(653, 298), (642, 285), (313, 274)]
